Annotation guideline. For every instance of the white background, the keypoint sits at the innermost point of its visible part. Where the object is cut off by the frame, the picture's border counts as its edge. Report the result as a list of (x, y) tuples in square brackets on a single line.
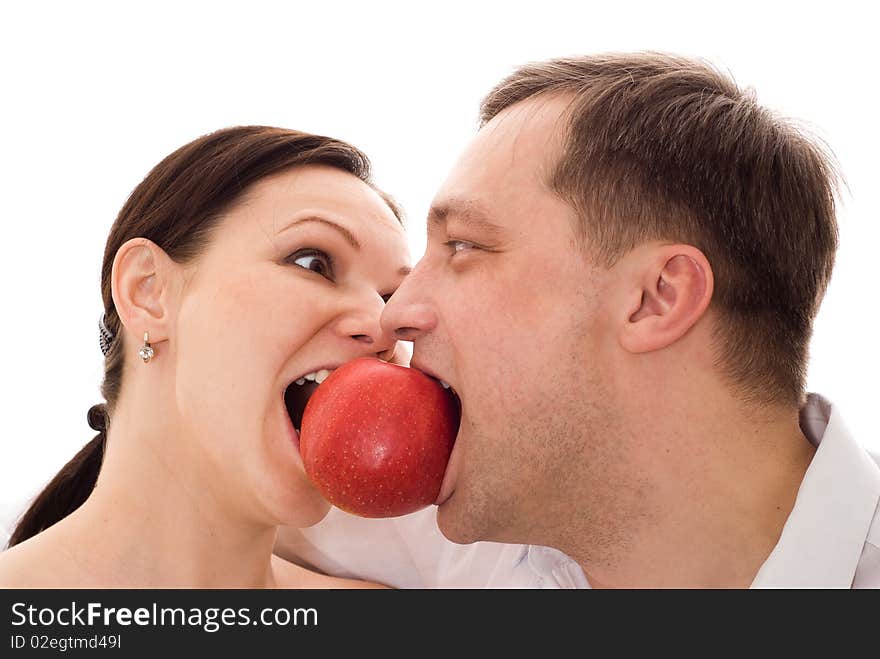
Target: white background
[(92, 95)]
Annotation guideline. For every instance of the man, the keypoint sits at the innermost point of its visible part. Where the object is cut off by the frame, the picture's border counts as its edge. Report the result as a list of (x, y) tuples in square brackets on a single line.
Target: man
[(620, 281)]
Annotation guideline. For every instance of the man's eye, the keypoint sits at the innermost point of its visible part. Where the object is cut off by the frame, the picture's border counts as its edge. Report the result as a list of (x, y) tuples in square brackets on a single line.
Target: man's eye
[(458, 246), (314, 260)]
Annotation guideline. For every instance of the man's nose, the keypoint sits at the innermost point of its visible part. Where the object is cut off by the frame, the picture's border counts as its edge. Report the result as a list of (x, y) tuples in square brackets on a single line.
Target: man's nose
[(409, 315)]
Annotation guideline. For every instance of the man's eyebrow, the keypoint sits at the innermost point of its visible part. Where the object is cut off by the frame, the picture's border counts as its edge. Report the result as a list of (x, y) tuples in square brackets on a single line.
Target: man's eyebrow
[(468, 213), (348, 235)]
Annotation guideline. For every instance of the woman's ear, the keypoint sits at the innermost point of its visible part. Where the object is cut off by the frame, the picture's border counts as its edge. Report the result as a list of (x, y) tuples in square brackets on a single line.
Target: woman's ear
[(143, 285), (673, 288)]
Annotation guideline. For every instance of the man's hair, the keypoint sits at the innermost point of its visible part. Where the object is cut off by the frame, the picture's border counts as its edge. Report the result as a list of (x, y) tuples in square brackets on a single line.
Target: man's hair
[(661, 147)]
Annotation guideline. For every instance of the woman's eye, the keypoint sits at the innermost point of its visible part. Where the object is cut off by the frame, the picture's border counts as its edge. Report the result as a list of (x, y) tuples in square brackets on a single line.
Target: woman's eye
[(314, 260)]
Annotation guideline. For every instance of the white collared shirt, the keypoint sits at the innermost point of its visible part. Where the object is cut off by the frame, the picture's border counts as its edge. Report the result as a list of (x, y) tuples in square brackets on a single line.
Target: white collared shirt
[(830, 540), (411, 552)]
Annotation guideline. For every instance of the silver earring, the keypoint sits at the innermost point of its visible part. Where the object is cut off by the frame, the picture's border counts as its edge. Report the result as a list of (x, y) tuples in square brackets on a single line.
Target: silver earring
[(146, 351)]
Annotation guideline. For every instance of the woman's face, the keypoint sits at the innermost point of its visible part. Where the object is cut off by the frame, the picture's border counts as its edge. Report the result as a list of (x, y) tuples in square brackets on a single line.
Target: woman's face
[(292, 282)]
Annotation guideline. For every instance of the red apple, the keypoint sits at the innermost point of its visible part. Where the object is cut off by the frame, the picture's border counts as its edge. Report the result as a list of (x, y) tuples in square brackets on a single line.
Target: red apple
[(376, 438)]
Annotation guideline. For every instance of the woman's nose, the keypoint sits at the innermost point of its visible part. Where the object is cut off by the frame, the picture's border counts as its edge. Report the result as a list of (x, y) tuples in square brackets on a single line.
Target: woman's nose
[(362, 326)]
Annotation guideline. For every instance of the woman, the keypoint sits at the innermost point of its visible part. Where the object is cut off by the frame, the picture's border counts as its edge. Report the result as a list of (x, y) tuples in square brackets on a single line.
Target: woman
[(245, 261)]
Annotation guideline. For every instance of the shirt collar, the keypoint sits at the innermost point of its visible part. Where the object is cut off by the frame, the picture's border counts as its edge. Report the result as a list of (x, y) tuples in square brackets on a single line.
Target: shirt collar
[(554, 568), (823, 538)]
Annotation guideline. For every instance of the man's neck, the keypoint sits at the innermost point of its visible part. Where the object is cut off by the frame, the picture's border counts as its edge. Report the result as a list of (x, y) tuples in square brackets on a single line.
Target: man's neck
[(721, 493)]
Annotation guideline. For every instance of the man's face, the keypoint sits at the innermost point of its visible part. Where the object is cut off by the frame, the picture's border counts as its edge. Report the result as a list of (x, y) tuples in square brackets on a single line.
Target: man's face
[(505, 308)]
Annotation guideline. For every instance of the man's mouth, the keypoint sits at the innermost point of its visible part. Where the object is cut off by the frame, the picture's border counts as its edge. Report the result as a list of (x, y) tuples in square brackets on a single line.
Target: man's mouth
[(443, 383), (298, 392), (455, 397), (450, 478)]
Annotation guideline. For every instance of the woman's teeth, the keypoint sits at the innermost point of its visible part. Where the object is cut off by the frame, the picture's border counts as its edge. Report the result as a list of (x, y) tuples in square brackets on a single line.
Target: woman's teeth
[(323, 374), (317, 376)]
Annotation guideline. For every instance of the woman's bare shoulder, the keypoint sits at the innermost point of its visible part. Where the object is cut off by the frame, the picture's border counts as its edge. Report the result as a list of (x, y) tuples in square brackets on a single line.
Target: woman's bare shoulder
[(291, 575), (29, 565), (13, 568)]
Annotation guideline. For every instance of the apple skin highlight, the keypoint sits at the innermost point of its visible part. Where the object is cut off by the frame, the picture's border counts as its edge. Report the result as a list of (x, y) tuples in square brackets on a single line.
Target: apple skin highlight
[(376, 438)]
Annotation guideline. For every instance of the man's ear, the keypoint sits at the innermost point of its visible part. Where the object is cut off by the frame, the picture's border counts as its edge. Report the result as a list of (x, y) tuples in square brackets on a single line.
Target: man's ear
[(673, 288), (143, 287)]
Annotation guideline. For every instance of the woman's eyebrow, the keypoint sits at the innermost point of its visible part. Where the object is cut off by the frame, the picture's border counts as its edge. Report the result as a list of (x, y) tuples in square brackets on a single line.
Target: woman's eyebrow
[(348, 235)]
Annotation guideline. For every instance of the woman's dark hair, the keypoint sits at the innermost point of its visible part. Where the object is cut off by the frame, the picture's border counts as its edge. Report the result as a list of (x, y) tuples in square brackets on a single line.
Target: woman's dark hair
[(177, 206)]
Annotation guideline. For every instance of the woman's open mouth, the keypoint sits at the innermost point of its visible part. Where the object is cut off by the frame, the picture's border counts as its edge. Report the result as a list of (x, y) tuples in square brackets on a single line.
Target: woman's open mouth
[(298, 392)]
